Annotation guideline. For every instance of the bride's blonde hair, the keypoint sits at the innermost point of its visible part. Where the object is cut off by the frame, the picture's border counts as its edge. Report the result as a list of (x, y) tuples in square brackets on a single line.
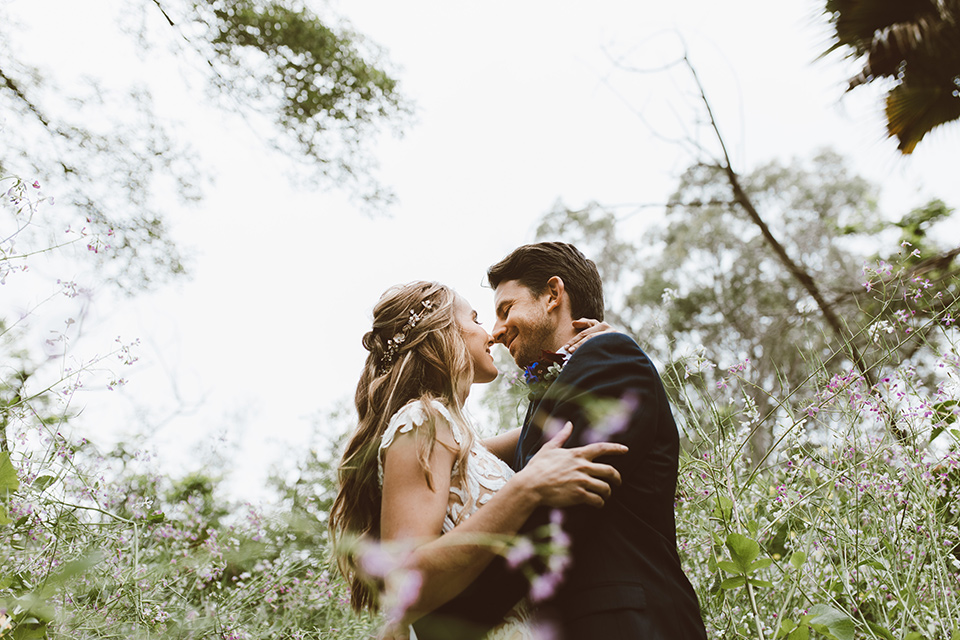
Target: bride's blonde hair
[(429, 362)]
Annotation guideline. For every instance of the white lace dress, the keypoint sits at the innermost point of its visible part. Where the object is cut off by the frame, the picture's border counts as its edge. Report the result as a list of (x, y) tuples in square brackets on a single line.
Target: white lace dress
[(485, 475)]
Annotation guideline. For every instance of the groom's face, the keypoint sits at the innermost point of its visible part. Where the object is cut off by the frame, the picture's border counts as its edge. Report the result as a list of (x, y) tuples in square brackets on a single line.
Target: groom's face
[(523, 325)]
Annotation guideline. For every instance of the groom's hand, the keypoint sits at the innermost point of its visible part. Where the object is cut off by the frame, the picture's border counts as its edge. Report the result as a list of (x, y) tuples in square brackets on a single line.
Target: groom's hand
[(567, 477)]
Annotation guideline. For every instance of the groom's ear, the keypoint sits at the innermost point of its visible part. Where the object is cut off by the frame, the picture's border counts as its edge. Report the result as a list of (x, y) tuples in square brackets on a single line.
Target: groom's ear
[(554, 292)]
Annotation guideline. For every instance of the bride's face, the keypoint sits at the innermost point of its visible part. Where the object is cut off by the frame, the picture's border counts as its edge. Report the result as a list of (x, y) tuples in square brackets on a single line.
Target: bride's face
[(478, 341)]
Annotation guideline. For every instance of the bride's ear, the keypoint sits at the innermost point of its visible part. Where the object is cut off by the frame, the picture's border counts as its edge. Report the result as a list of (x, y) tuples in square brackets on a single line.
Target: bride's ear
[(554, 291)]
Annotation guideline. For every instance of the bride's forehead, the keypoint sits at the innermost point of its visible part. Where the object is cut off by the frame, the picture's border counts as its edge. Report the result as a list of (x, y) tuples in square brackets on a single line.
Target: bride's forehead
[(462, 305)]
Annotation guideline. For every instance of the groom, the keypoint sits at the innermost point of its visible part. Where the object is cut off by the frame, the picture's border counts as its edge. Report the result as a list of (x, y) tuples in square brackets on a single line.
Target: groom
[(624, 580)]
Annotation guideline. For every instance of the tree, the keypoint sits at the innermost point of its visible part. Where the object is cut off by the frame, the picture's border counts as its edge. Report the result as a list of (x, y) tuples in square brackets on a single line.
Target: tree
[(316, 91), (709, 276), (913, 45)]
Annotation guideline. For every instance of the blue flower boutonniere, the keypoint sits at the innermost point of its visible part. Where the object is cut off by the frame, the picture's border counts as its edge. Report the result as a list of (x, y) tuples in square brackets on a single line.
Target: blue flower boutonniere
[(539, 375)]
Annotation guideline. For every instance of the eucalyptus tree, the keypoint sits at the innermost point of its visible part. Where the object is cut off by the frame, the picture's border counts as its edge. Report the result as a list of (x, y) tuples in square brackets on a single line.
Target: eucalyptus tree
[(707, 276)]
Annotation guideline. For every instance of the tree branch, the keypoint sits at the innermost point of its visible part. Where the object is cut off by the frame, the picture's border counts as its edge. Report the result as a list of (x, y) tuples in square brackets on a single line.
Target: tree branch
[(18, 92), (798, 272)]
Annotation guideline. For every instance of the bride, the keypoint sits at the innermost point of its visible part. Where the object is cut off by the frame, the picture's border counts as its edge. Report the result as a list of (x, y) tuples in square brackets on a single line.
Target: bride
[(415, 473)]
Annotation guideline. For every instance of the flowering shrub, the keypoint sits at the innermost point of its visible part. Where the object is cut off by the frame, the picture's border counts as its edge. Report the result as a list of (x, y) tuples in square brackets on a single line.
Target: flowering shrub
[(96, 544), (847, 525)]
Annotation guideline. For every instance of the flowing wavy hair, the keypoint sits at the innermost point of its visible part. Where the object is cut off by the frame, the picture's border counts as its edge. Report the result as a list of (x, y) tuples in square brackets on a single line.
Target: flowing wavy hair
[(431, 363)]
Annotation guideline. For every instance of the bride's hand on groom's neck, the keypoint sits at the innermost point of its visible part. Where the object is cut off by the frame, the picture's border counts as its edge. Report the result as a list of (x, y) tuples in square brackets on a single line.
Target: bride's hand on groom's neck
[(586, 328)]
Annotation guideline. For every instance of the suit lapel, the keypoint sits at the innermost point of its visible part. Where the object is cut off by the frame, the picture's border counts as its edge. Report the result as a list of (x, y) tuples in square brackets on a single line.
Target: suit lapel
[(530, 435)]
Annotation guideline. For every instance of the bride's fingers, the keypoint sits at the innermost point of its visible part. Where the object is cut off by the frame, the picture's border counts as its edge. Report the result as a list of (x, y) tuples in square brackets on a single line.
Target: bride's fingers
[(585, 323), (586, 328), (597, 449), (597, 487), (605, 473)]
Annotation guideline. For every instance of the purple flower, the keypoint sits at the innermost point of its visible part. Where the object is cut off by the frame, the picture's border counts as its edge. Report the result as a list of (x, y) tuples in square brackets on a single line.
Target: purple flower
[(544, 586), (403, 589), (615, 421), (520, 552)]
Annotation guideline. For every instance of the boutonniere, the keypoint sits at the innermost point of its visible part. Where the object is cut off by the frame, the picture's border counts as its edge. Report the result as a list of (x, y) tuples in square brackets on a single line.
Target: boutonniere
[(541, 374)]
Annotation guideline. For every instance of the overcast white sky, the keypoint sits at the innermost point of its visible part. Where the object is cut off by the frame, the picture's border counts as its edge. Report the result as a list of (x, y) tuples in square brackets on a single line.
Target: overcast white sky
[(518, 106)]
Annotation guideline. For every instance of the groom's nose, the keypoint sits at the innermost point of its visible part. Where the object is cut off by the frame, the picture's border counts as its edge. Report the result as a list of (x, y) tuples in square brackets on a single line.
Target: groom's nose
[(499, 331)]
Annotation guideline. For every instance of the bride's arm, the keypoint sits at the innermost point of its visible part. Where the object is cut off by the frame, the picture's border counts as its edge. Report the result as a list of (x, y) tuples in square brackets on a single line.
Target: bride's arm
[(413, 511)]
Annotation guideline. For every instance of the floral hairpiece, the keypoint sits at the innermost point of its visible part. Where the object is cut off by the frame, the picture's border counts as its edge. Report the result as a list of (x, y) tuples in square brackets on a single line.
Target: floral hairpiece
[(394, 343)]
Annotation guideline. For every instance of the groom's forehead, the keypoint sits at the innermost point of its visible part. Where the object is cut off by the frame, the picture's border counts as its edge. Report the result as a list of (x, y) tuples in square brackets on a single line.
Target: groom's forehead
[(510, 291)]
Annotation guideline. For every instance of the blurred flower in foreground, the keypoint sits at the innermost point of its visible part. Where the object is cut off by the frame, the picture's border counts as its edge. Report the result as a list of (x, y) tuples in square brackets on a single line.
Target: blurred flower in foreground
[(390, 563)]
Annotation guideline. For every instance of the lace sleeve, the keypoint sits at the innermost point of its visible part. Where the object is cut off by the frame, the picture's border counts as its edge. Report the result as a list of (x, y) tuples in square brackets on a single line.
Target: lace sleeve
[(403, 421)]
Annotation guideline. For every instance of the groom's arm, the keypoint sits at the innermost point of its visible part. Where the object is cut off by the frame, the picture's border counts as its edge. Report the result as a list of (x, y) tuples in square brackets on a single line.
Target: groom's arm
[(503, 445)]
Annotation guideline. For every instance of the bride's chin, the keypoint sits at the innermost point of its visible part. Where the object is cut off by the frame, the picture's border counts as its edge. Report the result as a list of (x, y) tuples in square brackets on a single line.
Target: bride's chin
[(485, 378)]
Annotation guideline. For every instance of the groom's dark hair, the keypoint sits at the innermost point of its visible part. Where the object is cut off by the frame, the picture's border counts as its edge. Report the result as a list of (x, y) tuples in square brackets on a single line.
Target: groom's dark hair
[(533, 264)]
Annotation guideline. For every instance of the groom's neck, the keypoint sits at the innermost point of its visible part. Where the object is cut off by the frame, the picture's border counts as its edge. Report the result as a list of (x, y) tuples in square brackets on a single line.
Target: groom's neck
[(564, 334)]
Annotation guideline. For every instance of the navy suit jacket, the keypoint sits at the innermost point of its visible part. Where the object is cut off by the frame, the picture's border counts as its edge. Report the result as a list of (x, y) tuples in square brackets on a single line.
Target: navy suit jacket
[(625, 579)]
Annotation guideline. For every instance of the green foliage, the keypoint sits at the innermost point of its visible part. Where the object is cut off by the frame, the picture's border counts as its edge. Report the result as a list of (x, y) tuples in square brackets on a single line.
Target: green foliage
[(324, 92), (911, 44), (324, 87), (707, 276)]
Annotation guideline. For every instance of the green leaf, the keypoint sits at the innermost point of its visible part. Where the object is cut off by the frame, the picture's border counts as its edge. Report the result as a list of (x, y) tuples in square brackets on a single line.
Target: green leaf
[(955, 635), (743, 549), (802, 632), (913, 635), (43, 482), (797, 558), (733, 583), (762, 563), (4, 518), (760, 583), (875, 564), (8, 475), (30, 629), (786, 626), (729, 567), (723, 509), (883, 632), (836, 622)]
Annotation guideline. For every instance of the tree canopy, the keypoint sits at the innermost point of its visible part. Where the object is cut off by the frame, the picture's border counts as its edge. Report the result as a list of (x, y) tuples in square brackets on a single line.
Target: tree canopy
[(315, 90), (912, 45), (707, 276)]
